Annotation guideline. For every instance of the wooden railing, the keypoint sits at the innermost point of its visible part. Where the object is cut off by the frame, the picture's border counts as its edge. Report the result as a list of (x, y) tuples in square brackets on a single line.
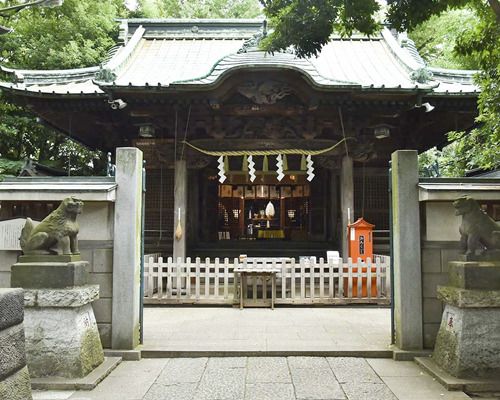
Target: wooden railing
[(305, 282)]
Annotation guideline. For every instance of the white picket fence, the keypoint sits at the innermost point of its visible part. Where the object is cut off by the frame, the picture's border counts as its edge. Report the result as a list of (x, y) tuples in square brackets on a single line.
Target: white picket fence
[(305, 282)]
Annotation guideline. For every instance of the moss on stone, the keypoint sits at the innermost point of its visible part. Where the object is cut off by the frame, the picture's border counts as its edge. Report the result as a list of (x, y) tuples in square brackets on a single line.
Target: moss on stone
[(91, 353), (17, 386), (469, 298), (445, 351)]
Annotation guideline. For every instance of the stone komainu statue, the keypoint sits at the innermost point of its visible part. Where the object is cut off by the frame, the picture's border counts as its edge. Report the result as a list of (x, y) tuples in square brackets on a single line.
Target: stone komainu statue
[(478, 231), (56, 234)]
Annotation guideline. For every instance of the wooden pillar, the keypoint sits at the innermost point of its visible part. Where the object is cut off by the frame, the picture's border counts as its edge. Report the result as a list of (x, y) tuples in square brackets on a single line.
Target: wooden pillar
[(346, 200), (180, 208), (193, 214), (333, 235)]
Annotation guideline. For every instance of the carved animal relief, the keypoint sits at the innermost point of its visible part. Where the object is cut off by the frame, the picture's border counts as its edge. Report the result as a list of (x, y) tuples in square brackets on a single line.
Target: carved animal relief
[(267, 92), (56, 234)]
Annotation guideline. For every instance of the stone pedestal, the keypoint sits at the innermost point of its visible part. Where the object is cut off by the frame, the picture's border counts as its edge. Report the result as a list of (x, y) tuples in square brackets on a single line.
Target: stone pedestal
[(62, 339), (14, 376), (468, 341)]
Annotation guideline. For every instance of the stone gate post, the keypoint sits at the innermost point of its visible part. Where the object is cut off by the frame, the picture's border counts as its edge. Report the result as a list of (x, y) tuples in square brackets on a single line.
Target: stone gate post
[(406, 252), (127, 249)]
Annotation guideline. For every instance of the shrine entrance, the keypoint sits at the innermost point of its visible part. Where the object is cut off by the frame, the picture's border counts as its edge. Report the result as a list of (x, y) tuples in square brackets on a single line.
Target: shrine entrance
[(266, 217)]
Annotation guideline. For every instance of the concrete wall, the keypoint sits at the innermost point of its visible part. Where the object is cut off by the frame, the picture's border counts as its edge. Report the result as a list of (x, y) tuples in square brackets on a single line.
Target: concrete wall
[(96, 246), (15, 381)]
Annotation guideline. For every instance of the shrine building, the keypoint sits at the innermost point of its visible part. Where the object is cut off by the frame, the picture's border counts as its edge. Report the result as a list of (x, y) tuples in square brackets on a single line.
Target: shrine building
[(227, 129)]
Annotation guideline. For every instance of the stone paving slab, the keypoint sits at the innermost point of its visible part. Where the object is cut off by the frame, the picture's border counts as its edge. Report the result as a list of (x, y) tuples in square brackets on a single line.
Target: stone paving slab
[(269, 391), (284, 329), (182, 370), (367, 391), (316, 384), (353, 370), (262, 378), (180, 391), (268, 370), (222, 384)]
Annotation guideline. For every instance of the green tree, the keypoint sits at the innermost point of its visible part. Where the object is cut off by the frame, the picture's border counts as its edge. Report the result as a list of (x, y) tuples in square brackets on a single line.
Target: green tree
[(77, 34), (199, 9), (307, 25), (436, 38)]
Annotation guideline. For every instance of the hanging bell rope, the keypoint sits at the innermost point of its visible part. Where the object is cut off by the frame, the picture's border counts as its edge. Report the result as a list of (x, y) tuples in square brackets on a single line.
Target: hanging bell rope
[(265, 164), (266, 152), (178, 229)]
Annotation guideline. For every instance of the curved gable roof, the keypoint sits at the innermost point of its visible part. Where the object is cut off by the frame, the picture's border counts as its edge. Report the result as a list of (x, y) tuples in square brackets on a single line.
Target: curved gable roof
[(179, 53)]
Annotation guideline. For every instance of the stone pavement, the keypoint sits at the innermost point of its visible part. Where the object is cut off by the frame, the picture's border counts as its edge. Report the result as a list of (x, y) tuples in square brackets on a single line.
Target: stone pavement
[(263, 378), (284, 329)]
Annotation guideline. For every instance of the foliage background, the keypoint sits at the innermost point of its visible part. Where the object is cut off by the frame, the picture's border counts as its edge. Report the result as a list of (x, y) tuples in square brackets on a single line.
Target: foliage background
[(449, 34), (77, 34)]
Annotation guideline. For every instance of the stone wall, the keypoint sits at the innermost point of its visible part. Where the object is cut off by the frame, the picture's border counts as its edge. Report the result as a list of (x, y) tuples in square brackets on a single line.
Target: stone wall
[(439, 244), (15, 381), (96, 246), (435, 258)]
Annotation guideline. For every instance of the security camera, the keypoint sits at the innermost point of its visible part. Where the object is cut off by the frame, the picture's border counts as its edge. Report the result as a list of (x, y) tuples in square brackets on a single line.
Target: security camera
[(117, 104)]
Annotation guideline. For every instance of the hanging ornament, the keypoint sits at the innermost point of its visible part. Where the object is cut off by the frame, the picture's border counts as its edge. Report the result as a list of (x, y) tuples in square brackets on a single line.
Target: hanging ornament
[(178, 230), (251, 168), (310, 168), (220, 167), (270, 212), (279, 167), (303, 165), (285, 163), (265, 164)]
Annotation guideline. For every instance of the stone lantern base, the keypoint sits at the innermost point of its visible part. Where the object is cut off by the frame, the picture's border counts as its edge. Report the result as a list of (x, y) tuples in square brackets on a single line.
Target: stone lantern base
[(468, 341), (62, 339)]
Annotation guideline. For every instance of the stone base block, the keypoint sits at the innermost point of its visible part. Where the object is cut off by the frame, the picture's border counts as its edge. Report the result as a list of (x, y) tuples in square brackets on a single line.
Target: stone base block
[(469, 298), (11, 307), (38, 275), (72, 297), (17, 386), (468, 342), (12, 353), (62, 341), (88, 382), (474, 275), (459, 384), (488, 255), (50, 258)]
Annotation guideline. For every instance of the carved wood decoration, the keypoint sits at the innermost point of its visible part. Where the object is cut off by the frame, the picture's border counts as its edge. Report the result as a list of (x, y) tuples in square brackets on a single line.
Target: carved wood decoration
[(264, 92), (271, 127)]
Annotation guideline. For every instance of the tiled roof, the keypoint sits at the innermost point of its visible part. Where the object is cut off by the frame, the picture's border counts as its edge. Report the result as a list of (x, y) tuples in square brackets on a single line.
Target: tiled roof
[(180, 53), (166, 61)]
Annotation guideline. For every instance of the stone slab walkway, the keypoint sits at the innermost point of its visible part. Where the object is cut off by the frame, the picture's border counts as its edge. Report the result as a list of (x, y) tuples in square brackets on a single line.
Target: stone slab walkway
[(263, 378), (284, 329)]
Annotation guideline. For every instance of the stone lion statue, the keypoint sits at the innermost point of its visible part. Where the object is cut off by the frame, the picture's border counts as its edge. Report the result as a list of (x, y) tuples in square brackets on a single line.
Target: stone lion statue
[(478, 232), (56, 234)]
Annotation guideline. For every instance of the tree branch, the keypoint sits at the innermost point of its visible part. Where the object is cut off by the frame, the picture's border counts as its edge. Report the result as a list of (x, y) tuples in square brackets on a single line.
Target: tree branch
[(495, 5)]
